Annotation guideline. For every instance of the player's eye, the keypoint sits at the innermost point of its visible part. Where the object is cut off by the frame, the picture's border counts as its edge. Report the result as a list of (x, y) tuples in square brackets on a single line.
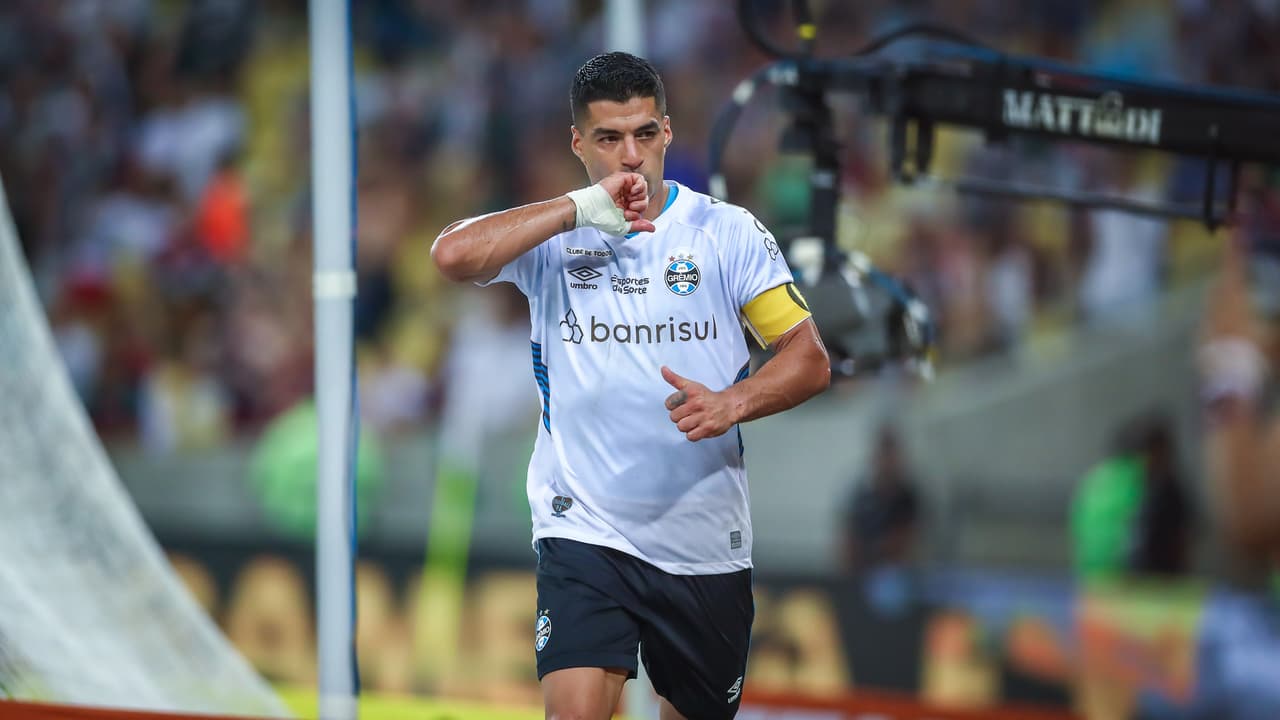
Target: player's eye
[(646, 134)]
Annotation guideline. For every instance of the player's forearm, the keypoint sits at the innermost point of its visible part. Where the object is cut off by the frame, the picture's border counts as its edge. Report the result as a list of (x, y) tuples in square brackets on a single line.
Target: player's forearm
[(799, 370), (477, 248)]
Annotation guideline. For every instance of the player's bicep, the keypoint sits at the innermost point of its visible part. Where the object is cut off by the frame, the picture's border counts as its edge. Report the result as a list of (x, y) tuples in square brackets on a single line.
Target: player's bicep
[(774, 312)]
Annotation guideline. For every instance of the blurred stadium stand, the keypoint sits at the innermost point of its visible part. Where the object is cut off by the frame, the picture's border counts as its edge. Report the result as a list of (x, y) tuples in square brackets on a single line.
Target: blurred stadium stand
[(156, 158)]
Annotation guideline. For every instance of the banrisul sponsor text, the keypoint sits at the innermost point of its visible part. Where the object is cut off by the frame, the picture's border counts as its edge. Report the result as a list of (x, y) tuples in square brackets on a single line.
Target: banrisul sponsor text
[(672, 331)]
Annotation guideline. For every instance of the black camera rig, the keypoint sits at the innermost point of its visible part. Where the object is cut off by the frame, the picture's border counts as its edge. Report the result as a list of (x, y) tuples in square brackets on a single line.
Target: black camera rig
[(954, 81)]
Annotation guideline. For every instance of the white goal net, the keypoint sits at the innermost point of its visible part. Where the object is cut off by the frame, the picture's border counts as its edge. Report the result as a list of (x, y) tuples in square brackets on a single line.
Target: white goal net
[(90, 612)]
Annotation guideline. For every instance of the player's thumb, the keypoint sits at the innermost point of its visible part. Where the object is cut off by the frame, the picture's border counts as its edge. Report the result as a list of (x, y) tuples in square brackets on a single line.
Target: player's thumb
[(673, 379)]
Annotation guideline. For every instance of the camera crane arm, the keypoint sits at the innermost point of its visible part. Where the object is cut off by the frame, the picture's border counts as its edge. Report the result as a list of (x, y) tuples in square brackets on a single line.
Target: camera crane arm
[(960, 83)]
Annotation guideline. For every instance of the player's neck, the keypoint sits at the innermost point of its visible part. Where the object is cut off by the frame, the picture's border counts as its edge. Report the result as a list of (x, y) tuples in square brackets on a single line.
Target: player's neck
[(657, 203)]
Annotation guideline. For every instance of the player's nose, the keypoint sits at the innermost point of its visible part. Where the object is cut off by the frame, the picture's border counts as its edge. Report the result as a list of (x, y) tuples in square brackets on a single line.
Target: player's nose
[(631, 157)]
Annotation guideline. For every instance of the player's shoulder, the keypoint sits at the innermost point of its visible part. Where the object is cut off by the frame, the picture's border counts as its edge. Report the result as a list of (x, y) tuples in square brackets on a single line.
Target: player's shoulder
[(714, 215)]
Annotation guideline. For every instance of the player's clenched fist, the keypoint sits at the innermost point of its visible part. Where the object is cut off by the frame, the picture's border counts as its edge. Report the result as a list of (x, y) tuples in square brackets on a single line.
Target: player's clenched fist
[(697, 411), (614, 205)]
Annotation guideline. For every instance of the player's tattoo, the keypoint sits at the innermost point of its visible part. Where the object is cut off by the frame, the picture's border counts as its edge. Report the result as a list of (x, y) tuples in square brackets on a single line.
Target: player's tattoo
[(676, 399)]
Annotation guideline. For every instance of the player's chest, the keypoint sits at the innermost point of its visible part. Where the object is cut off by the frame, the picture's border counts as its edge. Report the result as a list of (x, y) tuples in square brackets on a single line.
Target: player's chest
[(673, 277)]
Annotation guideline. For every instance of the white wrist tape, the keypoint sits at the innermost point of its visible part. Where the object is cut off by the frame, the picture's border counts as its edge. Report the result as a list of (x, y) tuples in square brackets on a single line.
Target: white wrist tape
[(596, 209), (1231, 367)]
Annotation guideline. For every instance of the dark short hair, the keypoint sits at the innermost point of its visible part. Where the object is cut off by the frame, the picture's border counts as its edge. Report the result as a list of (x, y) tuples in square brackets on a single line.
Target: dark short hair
[(616, 76)]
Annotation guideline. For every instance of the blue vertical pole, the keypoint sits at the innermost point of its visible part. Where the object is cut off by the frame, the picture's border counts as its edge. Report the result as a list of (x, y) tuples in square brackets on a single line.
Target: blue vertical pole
[(334, 287)]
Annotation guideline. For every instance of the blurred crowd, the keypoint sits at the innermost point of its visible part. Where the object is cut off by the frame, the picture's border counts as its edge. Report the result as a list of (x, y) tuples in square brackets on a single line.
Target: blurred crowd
[(155, 154)]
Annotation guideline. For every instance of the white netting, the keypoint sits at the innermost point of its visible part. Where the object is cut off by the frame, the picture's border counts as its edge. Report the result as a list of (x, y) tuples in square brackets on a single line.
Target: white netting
[(90, 612)]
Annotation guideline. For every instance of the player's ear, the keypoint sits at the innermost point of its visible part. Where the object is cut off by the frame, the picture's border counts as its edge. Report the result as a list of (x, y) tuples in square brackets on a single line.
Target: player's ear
[(666, 131), (575, 143)]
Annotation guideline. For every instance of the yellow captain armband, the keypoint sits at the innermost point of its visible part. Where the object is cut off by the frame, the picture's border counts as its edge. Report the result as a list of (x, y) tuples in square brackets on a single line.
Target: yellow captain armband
[(773, 312)]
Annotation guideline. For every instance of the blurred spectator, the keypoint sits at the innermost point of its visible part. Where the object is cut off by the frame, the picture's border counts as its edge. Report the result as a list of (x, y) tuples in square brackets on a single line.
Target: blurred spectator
[(1103, 512), (189, 135), (883, 610), (1162, 535), (1010, 283), (268, 341), (214, 38), (282, 472), (394, 395), (1131, 514), (881, 518), (1124, 255), (182, 404), (222, 215), (134, 217), (79, 342)]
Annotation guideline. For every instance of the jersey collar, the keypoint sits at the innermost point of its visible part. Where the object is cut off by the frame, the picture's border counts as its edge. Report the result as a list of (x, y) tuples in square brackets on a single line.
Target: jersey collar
[(673, 189)]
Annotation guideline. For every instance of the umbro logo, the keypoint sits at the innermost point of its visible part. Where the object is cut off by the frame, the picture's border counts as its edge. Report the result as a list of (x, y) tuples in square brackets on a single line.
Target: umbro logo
[(584, 275), (735, 690)]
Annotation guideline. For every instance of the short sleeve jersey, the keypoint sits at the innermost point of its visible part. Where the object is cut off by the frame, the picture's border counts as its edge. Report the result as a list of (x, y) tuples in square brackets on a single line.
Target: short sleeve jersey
[(609, 467)]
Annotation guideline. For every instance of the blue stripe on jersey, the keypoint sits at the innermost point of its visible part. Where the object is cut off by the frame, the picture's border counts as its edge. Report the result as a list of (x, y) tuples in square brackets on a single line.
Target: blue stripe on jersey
[(544, 383), (742, 375), (674, 190)]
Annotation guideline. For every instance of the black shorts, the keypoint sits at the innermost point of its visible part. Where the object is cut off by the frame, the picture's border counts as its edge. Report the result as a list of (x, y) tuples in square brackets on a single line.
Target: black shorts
[(595, 604)]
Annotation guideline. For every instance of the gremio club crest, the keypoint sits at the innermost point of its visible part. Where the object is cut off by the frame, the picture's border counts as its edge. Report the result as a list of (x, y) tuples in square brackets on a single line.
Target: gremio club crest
[(682, 275)]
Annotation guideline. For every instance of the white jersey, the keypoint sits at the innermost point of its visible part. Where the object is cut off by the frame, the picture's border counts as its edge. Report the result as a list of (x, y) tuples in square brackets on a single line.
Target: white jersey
[(609, 467)]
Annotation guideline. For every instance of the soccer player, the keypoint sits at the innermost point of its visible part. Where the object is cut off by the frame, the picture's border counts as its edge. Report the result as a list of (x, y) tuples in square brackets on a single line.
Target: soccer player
[(637, 288)]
